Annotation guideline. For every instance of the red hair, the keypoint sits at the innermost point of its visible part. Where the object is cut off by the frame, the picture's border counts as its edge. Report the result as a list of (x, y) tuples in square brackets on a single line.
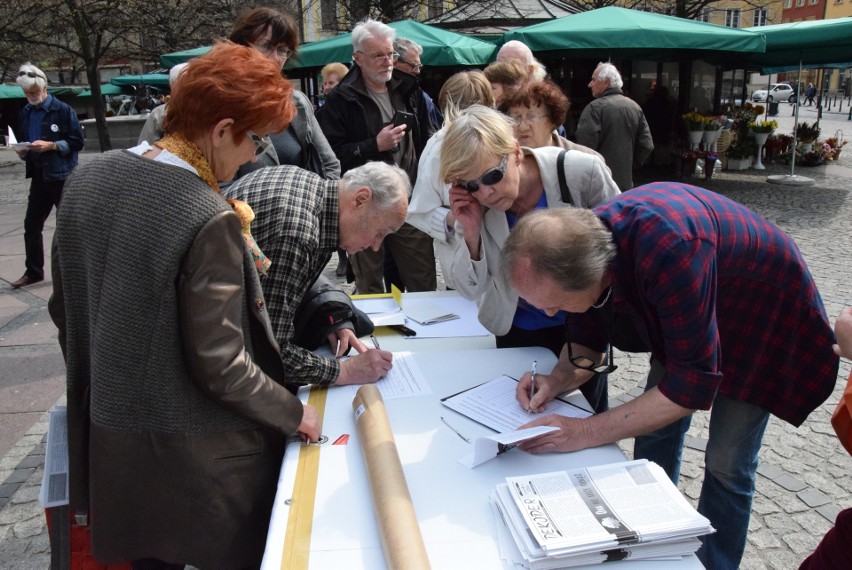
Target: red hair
[(230, 82)]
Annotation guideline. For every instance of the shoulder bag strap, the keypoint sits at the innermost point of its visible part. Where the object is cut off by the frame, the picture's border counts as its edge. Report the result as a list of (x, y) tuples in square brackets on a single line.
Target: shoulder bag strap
[(563, 185)]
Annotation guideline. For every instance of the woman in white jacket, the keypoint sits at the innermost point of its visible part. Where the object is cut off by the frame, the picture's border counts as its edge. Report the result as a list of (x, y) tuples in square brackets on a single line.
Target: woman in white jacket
[(494, 182), (429, 209)]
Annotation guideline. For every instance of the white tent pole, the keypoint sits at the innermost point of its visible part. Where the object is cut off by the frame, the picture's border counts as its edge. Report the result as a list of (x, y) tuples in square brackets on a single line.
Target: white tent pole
[(796, 119)]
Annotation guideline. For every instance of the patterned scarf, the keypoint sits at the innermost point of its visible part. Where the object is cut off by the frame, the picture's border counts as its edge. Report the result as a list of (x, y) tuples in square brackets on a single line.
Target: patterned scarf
[(189, 152)]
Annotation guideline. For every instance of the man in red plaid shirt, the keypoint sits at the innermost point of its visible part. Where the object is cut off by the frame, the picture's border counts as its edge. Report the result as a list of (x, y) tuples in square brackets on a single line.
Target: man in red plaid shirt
[(722, 300)]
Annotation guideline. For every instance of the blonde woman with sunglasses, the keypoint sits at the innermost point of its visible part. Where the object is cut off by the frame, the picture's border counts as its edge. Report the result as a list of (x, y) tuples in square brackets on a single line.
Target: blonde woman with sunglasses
[(493, 183)]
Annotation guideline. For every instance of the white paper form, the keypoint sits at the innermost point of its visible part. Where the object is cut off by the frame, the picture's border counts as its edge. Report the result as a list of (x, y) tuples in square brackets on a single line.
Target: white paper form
[(493, 404), (383, 311), (466, 325), (489, 447), (404, 380)]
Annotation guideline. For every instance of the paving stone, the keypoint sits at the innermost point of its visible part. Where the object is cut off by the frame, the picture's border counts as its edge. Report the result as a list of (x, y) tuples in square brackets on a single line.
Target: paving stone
[(764, 539), (829, 512), (31, 462), (769, 470), (813, 523), (8, 489), (26, 494), (699, 443), (801, 542), (790, 483), (19, 475), (813, 498)]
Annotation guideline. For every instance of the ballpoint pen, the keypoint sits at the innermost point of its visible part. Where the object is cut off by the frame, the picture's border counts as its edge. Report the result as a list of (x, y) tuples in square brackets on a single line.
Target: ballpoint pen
[(337, 350), (375, 342), (532, 384), (457, 432)]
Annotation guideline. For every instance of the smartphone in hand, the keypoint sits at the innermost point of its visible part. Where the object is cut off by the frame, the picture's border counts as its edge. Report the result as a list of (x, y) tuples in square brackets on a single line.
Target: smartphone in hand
[(403, 118)]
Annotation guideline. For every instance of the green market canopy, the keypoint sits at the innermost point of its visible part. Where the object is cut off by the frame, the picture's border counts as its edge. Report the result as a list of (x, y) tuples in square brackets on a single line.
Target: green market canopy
[(440, 48), (621, 32), (810, 43)]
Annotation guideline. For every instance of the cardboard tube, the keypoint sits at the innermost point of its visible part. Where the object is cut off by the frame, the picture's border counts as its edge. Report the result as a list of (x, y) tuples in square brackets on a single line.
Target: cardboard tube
[(402, 542)]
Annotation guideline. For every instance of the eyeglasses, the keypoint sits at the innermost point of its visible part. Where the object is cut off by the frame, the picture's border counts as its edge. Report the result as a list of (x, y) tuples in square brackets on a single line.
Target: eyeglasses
[(588, 363), (260, 143), (281, 51), (377, 57), (31, 74), (530, 119), (413, 66), (490, 178)]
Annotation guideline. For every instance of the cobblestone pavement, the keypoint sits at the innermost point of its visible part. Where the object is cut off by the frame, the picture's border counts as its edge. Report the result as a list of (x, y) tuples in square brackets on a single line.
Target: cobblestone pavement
[(805, 476)]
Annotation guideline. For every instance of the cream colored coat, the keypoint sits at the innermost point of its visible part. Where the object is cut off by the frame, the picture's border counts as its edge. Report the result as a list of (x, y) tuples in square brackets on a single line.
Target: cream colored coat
[(589, 183)]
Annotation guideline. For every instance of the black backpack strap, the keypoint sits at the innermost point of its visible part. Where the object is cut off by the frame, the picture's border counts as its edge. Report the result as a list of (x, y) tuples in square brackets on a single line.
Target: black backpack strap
[(563, 185)]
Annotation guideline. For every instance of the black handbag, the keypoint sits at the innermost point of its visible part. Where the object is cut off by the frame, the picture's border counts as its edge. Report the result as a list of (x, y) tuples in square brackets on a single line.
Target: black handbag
[(324, 309)]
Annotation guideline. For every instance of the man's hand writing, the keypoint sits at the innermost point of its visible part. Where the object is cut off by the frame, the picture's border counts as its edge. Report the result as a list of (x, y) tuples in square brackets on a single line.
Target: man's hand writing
[(365, 368)]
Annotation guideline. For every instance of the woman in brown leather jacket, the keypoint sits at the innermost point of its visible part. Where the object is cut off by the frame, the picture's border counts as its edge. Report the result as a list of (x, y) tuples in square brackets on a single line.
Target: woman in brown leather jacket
[(178, 411)]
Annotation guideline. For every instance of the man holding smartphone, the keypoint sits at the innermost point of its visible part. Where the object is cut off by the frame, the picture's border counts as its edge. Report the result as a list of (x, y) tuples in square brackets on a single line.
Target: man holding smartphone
[(361, 123)]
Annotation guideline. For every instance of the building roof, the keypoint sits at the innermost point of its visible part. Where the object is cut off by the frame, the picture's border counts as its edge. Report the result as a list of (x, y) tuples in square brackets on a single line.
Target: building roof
[(498, 16)]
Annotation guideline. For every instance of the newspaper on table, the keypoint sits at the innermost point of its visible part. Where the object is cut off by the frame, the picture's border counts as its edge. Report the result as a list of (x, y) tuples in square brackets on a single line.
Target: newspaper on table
[(595, 514), (54, 481)]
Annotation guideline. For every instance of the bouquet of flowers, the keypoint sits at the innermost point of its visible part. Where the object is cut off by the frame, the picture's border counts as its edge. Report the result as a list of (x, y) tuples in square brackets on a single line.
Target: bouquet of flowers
[(832, 147), (763, 126), (715, 123), (694, 121)]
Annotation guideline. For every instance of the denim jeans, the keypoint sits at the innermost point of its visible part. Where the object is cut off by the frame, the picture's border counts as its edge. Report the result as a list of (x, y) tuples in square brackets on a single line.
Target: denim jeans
[(736, 432)]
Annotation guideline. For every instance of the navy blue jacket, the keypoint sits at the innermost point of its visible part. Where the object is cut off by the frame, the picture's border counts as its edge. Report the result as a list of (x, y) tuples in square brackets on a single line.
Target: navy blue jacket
[(59, 125)]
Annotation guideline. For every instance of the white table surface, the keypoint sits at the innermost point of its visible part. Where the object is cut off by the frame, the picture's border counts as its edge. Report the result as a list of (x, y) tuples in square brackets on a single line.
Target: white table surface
[(451, 501)]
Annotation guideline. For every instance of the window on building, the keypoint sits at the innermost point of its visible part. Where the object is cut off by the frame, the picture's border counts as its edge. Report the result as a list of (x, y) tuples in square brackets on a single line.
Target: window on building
[(760, 17), (813, 2), (732, 17), (328, 12), (800, 3), (788, 4), (435, 8), (703, 15)]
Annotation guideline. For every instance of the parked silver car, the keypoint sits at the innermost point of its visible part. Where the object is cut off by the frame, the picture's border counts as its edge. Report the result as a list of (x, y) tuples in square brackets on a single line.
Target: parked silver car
[(777, 92)]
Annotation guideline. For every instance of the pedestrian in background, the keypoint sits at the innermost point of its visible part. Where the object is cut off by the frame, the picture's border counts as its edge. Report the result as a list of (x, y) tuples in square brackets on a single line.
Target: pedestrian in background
[(615, 126), (53, 131)]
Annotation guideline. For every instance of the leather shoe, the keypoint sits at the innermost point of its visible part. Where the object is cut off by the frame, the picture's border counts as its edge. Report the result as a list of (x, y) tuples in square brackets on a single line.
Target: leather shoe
[(25, 280)]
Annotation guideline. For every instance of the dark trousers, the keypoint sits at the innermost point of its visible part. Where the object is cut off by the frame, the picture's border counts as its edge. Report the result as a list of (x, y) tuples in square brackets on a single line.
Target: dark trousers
[(595, 389), (44, 196)]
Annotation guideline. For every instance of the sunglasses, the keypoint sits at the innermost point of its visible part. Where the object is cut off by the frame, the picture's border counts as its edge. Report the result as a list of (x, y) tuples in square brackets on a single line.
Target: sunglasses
[(260, 144), (490, 178), (30, 74)]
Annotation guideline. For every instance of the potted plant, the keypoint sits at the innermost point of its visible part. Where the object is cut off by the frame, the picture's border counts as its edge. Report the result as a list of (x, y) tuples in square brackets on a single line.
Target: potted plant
[(807, 134), (833, 148), (694, 127), (712, 128), (761, 131), (740, 153)]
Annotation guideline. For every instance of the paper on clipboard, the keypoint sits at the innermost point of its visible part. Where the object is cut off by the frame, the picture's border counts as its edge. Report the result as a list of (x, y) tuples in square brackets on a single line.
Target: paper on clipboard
[(427, 312), (383, 309), (493, 405), (490, 446)]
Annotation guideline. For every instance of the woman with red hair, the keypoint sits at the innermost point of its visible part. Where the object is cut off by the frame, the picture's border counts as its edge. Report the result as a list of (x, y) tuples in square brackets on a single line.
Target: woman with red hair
[(178, 412)]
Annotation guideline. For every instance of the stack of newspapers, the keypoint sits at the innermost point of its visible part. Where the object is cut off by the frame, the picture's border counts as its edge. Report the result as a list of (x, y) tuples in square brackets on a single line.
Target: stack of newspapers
[(629, 510)]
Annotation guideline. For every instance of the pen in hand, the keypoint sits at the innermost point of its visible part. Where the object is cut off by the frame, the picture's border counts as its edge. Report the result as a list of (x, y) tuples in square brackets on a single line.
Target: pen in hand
[(532, 384), (375, 342), (337, 350)]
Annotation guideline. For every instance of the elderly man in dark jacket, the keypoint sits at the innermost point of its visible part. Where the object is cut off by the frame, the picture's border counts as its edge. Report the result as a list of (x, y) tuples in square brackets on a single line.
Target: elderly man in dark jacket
[(54, 135), (362, 121), (615, 126)]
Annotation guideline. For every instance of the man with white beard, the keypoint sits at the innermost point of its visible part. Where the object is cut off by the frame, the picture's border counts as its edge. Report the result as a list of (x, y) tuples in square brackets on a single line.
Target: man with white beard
[(377, 112), (53, 132)]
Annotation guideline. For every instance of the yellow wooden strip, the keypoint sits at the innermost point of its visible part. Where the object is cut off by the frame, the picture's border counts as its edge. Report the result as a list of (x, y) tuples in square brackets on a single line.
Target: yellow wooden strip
[(297, 540)]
